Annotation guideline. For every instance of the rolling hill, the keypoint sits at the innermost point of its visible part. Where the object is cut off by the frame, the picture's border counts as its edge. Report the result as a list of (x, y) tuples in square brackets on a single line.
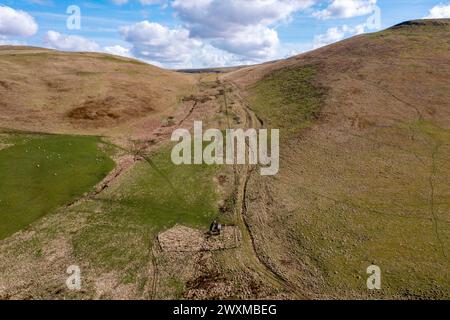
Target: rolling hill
[(364, 173), (364, 167), (85, 93)]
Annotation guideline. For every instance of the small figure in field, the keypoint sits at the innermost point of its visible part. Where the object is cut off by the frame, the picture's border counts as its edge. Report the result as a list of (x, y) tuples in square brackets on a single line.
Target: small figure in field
[(215, 228)]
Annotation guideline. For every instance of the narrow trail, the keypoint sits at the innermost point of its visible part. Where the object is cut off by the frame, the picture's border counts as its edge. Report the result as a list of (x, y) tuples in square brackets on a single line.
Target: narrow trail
[(242, 178), (153, 274), (191, 110)]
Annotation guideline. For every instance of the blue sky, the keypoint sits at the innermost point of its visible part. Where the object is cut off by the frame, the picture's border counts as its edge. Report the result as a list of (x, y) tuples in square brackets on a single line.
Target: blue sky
[(202, 33)]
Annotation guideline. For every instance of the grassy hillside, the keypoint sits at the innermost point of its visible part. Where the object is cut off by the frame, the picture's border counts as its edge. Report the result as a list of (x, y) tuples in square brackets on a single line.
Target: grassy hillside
[(112, 236), (367, 182), (288, 99), (85, 93), (150, 199)]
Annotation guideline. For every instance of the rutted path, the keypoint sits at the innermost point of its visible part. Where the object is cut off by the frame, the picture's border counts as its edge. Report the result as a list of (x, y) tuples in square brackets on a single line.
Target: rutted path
[(243, 176)]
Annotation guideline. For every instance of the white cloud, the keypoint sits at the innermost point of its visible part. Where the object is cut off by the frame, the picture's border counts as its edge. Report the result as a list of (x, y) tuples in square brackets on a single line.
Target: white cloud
[(174, 48), (221, 33), (440, 11), (59, 41), (118, 51), (63, 42), (154, 42), (221, 16), (209, 56), (16, 23), (242, 27), (359, 29), (332, 35), (252, 42), (346, 9), (336, 34)]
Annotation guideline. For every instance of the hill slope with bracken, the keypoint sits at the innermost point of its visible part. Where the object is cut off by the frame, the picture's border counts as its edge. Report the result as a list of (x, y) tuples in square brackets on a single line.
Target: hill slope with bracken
[(84, 93), (365, 126)]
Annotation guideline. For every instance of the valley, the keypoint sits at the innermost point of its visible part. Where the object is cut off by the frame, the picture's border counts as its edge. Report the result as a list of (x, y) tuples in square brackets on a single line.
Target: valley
[(87, 179)]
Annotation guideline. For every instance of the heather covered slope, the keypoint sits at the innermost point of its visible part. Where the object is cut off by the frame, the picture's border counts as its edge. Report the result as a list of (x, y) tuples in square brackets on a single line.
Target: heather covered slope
[(85, 93), (365, 170)]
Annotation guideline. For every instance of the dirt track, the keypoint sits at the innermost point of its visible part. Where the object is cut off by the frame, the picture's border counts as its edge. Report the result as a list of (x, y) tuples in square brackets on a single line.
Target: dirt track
[(242, 176)]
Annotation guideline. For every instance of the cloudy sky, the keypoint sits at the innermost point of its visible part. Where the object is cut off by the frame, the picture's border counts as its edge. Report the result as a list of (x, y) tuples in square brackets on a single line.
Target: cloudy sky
[(202, 33)]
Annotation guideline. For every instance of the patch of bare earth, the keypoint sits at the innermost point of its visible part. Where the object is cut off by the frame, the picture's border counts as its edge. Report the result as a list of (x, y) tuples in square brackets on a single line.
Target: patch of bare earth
[(184, 239)]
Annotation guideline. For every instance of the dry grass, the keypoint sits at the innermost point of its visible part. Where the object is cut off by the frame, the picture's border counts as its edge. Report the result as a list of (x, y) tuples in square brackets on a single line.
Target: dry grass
[(365, 183), (87, 93), (368, 182)]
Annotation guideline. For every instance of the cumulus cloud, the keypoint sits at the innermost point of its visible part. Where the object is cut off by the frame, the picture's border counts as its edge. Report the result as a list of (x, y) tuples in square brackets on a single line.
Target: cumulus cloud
[(241, 27), (233, 31), (16, 23), (175, 48), (225, 32), (154, 42), (440, 11), (346, 9), (209, 56), (218, 32), (221, 16), (63, 42), (252, 42)]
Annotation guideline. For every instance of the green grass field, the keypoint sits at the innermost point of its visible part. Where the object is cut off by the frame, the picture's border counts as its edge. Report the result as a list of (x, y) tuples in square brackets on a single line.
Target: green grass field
[(40, 173), (149, 199)]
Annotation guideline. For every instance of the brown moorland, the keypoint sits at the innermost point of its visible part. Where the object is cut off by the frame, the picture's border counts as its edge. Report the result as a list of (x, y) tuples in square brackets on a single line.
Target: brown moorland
[(43, 90), (364, 172)]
